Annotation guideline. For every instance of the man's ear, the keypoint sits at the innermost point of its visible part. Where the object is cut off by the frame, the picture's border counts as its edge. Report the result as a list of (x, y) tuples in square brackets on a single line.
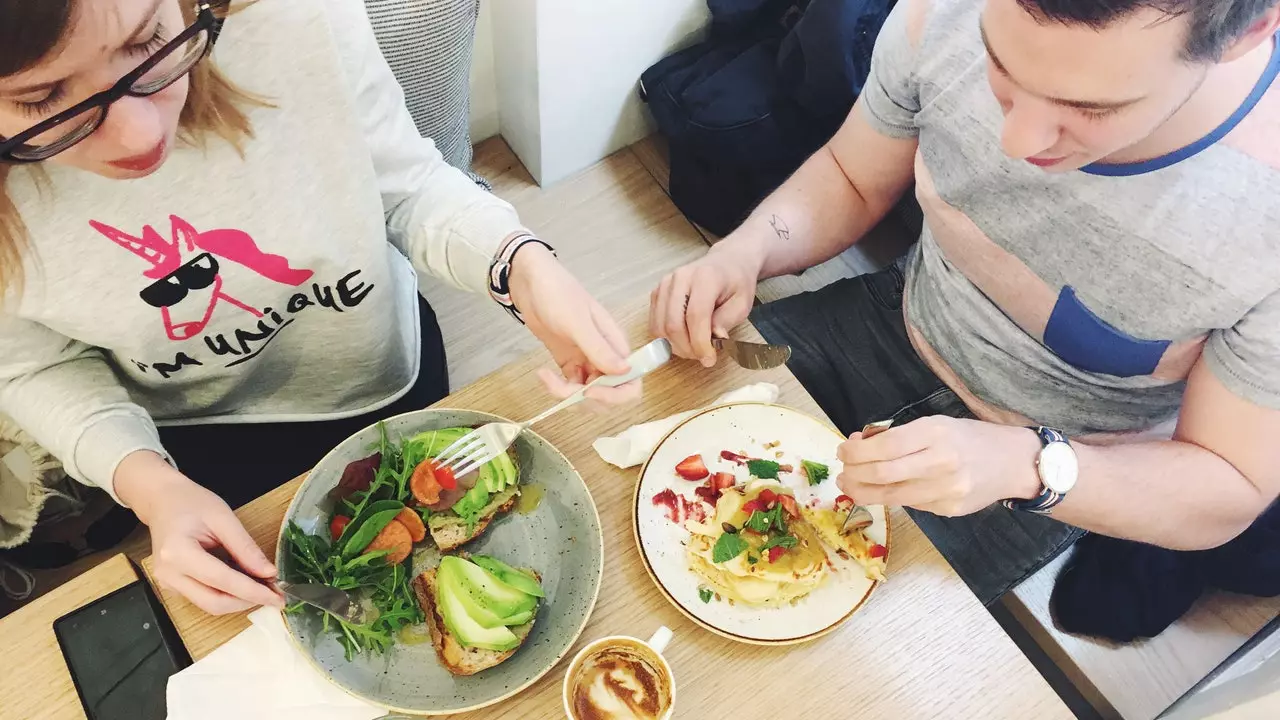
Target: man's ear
[(1262, 30)]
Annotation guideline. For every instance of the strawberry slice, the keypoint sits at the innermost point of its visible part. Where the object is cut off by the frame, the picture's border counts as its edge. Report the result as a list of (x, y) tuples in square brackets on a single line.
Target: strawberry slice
[(877, 551), (845, 503), (692, 468), (753, 505), (768, 497), (789, 505), (722, 481), (775, 552)]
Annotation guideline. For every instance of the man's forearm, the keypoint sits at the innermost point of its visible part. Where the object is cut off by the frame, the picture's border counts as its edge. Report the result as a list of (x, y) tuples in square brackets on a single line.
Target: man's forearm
[(813, 217), (831, 202), (1172, 494)]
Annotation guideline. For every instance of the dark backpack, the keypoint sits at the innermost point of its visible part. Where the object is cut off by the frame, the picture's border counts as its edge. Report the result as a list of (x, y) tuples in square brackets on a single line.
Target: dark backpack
[(743, 109)]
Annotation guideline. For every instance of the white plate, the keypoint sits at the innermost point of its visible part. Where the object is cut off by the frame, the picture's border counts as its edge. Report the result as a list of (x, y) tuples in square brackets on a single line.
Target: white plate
[(748, 427)]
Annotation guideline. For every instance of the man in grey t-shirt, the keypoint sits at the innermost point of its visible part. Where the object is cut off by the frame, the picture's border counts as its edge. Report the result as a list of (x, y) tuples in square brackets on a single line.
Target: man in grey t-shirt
[(1090, 322)]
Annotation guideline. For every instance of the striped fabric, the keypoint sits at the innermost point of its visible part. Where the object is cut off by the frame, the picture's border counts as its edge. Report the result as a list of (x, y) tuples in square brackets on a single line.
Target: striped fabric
[(428, 45)]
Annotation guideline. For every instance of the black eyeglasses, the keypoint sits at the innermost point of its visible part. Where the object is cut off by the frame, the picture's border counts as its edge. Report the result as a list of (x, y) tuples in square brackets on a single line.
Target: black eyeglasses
[(164, 68)]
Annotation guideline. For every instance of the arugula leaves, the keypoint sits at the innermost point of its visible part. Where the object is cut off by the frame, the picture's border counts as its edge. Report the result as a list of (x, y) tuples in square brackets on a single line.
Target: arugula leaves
[(763, 469), (341, 564), (728, 547), (816, 472)]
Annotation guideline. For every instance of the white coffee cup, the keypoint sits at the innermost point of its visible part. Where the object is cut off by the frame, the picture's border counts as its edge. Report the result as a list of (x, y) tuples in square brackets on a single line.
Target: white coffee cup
[(657, 643)]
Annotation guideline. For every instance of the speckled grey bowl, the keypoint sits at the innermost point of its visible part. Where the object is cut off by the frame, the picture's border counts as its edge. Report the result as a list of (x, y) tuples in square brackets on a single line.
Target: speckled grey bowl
[(561, 539)]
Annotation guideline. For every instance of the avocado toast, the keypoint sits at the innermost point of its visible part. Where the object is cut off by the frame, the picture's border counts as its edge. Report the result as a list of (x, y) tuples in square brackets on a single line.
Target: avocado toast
[(462, 508), (479, 611)]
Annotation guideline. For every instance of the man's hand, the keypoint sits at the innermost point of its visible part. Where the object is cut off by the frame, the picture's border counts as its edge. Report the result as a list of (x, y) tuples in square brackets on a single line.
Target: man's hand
[(706, 298), (941, 465), (581, 335), (187, 523)]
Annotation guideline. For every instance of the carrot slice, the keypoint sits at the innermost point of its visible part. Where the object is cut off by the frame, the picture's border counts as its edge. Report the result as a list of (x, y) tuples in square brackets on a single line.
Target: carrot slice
[(424, 485), (394, 537), (413, 523)]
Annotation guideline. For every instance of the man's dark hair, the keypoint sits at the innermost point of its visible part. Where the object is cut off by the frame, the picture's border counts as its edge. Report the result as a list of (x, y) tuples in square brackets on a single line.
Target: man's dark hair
[(1214, 24)]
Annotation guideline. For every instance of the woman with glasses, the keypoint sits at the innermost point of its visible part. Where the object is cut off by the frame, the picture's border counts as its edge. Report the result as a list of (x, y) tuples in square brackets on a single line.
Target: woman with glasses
[(207, 258)]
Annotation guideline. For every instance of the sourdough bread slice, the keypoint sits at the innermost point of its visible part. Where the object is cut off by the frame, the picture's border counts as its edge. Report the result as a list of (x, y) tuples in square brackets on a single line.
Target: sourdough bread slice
[(451, 532)]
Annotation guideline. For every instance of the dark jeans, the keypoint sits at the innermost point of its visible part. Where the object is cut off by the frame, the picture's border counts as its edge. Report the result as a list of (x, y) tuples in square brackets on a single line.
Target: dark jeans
[(852, 353), (242, 461)]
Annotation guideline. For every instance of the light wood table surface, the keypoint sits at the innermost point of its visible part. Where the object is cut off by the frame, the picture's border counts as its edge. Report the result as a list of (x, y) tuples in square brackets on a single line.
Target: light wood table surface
[(34, 679), (922, 647)]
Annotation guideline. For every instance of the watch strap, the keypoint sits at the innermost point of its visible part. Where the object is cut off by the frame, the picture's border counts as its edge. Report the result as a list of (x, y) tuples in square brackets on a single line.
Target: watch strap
[(500, 271)]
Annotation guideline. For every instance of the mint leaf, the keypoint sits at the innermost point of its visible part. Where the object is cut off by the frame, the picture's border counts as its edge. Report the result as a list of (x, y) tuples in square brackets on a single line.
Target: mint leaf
[(763, 469), (759, 521), (704, 594), (728, 547), (817, 472), (783, 541)]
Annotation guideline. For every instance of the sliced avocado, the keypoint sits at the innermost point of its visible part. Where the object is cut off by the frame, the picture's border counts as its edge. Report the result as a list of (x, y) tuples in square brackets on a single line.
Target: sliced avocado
[(435, 441), (470, 504), (467, 630), (490, 478), (447, 576), (506, 468), (518, 619), (486, 590), (518, 579)]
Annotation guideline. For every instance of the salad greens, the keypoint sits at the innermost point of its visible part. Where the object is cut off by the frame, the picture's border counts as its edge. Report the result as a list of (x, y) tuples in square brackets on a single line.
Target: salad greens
[(728, 547), (341, 564)]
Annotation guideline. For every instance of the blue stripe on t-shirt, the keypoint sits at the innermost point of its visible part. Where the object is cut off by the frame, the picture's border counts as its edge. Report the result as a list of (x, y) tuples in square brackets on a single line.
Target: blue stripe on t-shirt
[(1177, 156)]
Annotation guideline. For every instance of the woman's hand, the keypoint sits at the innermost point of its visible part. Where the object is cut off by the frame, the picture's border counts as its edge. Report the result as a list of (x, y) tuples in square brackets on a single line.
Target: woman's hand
[(581, 335), (187, 522)]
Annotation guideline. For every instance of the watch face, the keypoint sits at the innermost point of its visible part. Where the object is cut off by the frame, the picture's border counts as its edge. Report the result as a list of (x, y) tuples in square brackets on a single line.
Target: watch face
[(1058, 467)]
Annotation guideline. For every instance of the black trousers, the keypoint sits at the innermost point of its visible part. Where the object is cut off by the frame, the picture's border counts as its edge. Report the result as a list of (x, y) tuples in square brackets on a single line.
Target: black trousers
[(243, 461)]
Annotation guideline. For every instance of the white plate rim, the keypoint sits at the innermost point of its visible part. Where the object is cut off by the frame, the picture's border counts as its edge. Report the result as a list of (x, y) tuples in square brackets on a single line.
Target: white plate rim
[(648, 567)]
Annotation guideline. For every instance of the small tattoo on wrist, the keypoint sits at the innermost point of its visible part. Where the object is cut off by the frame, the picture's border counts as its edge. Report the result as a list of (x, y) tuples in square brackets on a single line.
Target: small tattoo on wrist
[(780, 228)]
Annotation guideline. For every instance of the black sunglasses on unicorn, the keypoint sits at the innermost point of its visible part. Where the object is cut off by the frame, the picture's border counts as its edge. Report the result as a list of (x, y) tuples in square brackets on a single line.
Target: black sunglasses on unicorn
[(168, 65)]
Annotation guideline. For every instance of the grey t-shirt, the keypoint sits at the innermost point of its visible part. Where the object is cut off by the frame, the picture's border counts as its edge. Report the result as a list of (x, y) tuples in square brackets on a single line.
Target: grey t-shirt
[(1079, 300)]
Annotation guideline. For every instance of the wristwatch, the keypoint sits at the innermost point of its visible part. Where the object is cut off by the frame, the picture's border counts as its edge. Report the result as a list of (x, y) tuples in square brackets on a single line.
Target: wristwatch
[(1058, 469), (500, 271)]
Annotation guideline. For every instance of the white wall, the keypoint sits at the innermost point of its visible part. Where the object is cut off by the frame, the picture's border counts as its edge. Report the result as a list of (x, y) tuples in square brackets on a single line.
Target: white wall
[(484, 80), (590, 57), (558, 78)]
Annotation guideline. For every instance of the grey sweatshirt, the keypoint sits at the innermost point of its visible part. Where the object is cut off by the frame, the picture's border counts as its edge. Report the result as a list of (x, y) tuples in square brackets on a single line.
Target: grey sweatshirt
[(275, 287)]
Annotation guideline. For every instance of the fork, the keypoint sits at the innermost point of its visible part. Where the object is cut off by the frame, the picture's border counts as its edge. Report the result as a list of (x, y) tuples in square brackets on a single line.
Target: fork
[(489, 441), (859, 517)]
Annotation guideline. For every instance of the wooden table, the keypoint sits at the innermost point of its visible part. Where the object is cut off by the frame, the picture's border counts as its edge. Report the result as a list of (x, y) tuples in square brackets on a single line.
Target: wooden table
[(34, 680), (923, 647)]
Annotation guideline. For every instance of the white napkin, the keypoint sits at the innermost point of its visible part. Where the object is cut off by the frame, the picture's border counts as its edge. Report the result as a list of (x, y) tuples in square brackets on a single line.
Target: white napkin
[(630, 447), (260, 674)]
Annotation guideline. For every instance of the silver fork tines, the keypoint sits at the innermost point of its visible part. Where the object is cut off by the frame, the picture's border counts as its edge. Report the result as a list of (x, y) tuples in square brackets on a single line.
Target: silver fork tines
[(489, 441)]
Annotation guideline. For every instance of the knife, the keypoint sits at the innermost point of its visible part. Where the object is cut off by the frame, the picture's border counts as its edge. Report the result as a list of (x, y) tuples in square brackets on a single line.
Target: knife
[(337, 603), (860, 517), (753, 356)]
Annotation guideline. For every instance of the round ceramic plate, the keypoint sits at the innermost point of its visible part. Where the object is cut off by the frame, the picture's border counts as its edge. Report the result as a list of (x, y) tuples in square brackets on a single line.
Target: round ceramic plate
[(739, 428), (560, 538)]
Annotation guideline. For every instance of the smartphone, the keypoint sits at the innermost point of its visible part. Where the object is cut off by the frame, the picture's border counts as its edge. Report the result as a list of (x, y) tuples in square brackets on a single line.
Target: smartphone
[(121, 650)]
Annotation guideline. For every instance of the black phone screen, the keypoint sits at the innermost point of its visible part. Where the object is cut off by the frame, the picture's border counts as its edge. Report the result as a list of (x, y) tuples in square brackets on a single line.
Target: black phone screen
[(121, 651)]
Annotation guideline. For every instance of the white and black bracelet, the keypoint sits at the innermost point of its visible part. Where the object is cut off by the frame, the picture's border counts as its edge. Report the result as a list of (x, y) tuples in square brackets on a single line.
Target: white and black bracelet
[(500, 271)]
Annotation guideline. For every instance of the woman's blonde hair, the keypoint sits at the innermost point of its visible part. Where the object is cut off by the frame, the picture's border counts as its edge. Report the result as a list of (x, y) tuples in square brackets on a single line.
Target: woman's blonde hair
[(215, 108)]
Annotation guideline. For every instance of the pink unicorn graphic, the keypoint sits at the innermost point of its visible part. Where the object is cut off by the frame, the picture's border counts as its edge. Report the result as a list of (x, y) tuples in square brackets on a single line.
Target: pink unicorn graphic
[(186, 265)]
